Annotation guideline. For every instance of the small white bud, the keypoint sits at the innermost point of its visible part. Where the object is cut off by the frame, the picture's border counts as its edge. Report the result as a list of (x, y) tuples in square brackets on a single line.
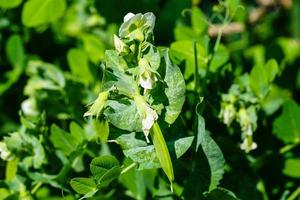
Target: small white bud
[(28, 106), (5, 154)]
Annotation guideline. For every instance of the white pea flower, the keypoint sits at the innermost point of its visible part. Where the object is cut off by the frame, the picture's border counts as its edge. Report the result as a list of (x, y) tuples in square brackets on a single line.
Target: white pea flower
[(228, 113), (146, 81), (147, 123), (5, 154), (243, 119), (248, 145), (147, 78), (28, 106), (128, 16), (148, 115), (98, 105)]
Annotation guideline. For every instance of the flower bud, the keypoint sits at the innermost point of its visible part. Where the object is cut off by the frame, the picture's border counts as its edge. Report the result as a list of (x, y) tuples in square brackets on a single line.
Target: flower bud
[(98, 105)]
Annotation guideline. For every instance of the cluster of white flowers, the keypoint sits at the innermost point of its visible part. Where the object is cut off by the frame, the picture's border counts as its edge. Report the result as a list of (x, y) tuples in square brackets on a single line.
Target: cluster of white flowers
[(247, 119), (232, 109), (146, 79)]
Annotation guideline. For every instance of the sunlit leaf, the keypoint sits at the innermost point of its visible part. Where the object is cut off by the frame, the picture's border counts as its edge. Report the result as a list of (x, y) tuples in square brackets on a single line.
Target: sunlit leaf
[(105, 169), (175, 90), (287, 127), (182, 145), (291, 167), (62, 140), (219, 58), (78, 62), (39, 12), (6, 4), (83, 185)]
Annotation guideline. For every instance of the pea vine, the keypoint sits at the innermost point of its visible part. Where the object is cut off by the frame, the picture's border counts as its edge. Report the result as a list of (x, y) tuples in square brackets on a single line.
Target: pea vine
[(141, 91)]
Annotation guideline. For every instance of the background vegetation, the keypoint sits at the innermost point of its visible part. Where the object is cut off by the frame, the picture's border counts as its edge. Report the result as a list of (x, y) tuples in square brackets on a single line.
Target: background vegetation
[(240, 60)]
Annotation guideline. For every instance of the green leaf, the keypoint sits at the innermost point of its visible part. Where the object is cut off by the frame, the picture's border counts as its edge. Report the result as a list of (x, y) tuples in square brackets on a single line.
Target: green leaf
[(232, 6), (102, 129), (105, 169), (261, 76), (183, 32), (183, 50), (290, 48), (128, 141), (124, 115), (259, 81), (98, 106), (15, 51), (271, 69), (16, 57), (134, 181), (137, 181), (124, 83), (199, 23), (138, 151), (221, 194), (4, 193), (201, 130), (114, 61), (109, 176), (152, 55), (39, 12), (93, 47), (79, 64), (145, 156), (162, 151), (77, 132), (287, 127), (175, 90), (291, 167), (83, 185), (220, 57), (213, 154), (44, 76), (274, 100), (62, 140), (38, 151), (6, 4), (256, 54), (182, 145)]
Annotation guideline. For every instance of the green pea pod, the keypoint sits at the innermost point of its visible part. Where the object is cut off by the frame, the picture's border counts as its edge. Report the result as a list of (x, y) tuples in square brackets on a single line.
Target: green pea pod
[(162, 151)]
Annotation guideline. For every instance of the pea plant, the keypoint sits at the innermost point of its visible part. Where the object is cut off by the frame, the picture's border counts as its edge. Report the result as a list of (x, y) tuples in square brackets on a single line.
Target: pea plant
[(190, 100), (140, 90)]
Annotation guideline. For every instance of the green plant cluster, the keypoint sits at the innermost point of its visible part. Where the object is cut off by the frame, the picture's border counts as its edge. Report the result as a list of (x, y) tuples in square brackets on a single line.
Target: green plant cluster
[(165, 99)]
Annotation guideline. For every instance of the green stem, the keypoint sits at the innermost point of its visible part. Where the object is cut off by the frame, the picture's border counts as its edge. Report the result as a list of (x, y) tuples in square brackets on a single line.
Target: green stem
[(129, 167), (36, 187), (295, 194), (221, 31), (287, 148), (196, 68)]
